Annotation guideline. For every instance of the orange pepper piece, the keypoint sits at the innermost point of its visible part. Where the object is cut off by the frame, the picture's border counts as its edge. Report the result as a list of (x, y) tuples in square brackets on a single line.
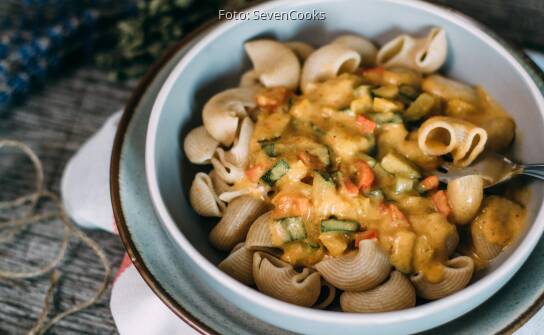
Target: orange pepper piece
[(440, 201)]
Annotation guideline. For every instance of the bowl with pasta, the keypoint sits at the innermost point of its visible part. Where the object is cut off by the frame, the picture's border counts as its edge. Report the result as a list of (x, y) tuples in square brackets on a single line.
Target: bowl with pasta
[(296, 163)]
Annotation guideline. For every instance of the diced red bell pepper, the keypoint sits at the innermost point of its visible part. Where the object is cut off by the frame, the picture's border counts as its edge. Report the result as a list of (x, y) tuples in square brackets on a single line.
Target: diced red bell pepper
[(366, 125), (351, 188), (255, 172), (291, 205), (373, 74), (430, 183), (365, 235), (272, 97), (365, 175), (441, 203), (397, 216)]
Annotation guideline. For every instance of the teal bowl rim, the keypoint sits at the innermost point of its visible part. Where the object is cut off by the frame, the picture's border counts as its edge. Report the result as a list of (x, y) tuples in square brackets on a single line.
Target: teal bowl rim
[(122, 228), (534, 71)]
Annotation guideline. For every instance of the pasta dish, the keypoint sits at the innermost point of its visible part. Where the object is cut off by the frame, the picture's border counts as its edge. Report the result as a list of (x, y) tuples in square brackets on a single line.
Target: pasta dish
[(324, 174)]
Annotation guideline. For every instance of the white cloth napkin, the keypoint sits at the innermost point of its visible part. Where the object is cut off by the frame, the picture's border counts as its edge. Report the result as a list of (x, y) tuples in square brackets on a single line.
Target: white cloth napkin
[(85, 185), (135, 308), (85, 189)]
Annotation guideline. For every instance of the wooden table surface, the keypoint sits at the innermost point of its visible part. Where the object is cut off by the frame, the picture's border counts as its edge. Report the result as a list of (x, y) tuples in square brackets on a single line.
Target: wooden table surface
[(54, 122)]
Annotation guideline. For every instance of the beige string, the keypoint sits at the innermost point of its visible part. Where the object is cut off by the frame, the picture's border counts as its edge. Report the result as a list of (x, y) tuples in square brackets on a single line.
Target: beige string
[(12, 226)]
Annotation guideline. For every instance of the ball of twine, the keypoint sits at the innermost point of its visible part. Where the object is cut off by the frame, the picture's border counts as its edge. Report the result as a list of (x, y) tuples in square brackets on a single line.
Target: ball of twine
[(30, 216)]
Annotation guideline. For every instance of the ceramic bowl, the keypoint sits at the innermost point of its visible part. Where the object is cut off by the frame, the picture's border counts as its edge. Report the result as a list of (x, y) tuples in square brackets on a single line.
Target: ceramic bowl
[(216, 63)]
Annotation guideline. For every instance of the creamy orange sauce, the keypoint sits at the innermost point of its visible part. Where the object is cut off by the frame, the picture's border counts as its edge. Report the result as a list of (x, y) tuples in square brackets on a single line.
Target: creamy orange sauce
[(500, 220), (323, 143), (487, 114)]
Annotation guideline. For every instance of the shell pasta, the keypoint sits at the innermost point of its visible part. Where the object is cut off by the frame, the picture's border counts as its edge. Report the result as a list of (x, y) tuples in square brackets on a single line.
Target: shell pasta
[(323, 174)]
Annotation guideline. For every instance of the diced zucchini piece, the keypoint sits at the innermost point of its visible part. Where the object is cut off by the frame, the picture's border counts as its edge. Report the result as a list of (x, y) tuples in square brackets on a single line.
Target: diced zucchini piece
[(371, 142), (403, 184), (269, 148), (422, 106), (276, 172), (339, 225), (295, 227), (297, 171), (278, 233), (362, 91), (371, 161), (385, 118), (409, 92), (381, 105), (288, 229), (323, 184), (313, 245), (376, 194), (321, 152), (361, 105), (363, 100), (335, 242), (387, 91), (421, 188), (398, 165), (396, 119)]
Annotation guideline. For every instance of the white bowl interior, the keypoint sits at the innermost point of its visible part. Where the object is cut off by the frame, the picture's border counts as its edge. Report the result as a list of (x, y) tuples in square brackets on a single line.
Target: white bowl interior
[(217, 62)]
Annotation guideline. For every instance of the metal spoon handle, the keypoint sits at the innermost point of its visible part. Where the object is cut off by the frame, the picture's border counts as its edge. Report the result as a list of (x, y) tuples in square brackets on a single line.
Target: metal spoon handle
[(534, 170)]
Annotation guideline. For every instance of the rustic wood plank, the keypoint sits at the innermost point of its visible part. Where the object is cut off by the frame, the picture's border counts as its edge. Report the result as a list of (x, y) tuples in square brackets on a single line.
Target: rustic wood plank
[(58, 119), (55, 122)]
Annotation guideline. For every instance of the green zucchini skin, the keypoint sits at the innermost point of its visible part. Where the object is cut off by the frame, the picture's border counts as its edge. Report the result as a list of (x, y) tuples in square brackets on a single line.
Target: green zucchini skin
[(403, 184), (279, 170), (399, 166), (410, 93), (269, 147), (420, 188), (385, 118), (376, 194), (423, 105), (339, 225), (293, 228)]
